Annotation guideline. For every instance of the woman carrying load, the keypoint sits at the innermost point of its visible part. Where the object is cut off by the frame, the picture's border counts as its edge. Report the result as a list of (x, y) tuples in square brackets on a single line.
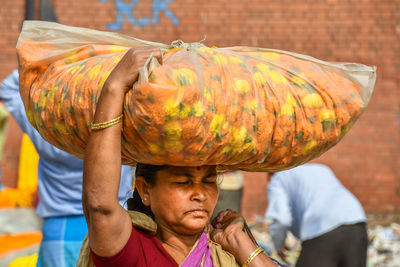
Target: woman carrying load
[(173, 205)]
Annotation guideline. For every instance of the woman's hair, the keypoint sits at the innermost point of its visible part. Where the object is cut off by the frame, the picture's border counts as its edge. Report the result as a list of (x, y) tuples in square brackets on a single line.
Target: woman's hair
[(149, 173)]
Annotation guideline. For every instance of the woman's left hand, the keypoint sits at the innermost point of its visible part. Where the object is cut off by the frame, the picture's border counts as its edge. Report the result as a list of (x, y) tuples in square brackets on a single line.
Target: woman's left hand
[(227, 230), (126, 72), (225, 227)]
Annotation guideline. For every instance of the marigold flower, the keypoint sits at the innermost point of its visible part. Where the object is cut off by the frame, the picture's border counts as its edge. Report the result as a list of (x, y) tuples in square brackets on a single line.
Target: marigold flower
[(241, 86), (313, 100), (327, 115)]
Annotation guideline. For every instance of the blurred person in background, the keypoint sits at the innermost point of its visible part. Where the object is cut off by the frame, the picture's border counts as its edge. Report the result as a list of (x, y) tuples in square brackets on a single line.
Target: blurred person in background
[(230, 184), (59, 188), (310, 202)]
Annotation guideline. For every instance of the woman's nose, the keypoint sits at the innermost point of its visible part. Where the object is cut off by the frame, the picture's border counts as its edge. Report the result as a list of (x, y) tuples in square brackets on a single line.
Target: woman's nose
[(199, 193)]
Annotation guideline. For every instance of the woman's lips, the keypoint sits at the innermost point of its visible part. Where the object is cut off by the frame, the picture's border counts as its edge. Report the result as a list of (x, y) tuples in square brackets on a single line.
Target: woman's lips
[(198, 212)]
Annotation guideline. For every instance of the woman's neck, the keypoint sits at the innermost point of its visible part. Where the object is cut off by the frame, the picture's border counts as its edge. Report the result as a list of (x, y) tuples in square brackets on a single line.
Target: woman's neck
[(177, 245)]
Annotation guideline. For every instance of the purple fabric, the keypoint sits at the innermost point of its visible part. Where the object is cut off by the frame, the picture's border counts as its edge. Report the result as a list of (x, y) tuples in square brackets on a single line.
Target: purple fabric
[(202, 250)]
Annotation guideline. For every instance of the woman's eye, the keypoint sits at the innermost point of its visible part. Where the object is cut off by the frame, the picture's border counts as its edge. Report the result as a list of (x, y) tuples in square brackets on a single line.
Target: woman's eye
[(210, 182), (182, 182)]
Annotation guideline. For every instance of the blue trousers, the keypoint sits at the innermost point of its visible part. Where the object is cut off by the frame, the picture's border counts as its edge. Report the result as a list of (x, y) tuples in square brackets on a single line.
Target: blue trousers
[(62, 240)]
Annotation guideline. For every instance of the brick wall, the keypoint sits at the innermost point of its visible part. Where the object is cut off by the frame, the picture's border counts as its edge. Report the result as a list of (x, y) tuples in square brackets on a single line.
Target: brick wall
[(366, 31)]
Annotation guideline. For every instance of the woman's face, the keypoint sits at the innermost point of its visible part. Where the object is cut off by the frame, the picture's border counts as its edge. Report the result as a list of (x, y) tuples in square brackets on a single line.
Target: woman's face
[(183, 198)]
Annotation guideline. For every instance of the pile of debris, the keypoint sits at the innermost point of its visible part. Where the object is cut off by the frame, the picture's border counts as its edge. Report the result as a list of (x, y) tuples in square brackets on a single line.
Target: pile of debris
[(383, 249), (384, 246)]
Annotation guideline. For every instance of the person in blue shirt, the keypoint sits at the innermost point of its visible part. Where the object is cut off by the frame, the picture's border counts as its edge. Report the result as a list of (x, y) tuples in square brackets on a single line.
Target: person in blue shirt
[(59, 188), (310, 202)]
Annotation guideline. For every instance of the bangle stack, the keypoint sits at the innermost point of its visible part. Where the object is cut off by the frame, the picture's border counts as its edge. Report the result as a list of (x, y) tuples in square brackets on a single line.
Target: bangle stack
[(255, 253), (106, 124)]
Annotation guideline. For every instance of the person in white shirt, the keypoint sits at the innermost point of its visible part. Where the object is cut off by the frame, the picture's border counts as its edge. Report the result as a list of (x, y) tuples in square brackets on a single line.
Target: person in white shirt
[(310, 202)]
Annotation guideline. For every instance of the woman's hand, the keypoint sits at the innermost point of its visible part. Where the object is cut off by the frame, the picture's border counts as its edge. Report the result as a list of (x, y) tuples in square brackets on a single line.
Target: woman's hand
[(224, 226), (120, 81), (227, 230), (126, 72)]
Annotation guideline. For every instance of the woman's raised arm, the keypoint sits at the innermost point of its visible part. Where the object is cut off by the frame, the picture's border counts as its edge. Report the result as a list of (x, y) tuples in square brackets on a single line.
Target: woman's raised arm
[(109, 225)]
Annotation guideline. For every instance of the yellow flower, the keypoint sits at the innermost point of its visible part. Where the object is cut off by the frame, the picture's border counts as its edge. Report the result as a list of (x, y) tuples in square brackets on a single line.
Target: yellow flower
[(277, 77), (184, 113), (270, 55), (94, 72), (198, 108), (238, 136), (173, 146), (171, 107), (61, 127), (184, 76), (51, 93), (239, 141), (217, 123), (220, 60), (248, 147), (313, 100), (327, 115), (233, 59), (173, 130), (154, 148), (241, 86), (252, 105), (207, 93), (287, 109), (271, 74), (290, 100), (298, 80), (42, 100), (259, 79), (309, 147), (265, 69), (227, 149)]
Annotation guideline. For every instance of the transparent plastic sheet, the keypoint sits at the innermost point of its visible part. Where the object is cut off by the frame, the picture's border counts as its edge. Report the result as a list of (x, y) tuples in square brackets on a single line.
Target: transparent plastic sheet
[(239, 108)]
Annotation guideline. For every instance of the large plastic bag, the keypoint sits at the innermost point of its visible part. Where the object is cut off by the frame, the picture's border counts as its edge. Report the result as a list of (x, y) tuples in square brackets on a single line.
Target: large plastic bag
[(239, 107)]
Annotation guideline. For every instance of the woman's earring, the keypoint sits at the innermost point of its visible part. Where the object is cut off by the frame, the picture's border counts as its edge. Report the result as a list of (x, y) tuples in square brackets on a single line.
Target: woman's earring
[(144, 199)]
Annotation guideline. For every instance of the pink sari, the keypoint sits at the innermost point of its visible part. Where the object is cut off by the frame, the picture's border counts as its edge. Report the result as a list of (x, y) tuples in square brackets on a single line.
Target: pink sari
[(201, 255)]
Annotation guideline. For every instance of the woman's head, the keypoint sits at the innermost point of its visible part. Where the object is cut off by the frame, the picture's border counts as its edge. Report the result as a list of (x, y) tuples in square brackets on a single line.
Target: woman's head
[(148, 172), (182, 199)]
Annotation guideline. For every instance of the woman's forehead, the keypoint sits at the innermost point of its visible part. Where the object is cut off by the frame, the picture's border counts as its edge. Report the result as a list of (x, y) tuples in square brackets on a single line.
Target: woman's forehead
[(190, 170)]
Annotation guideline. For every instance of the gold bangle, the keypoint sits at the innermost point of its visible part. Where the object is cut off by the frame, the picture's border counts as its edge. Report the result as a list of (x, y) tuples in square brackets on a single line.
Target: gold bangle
[(252, 256), (106, 124)]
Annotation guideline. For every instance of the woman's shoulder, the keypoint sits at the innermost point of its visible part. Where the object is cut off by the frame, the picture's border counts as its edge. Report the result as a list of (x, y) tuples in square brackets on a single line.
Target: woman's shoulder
[(141, 221)]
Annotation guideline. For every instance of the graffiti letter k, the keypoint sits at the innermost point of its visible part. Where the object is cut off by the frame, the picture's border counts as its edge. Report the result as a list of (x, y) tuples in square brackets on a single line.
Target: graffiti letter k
[(126, 9)]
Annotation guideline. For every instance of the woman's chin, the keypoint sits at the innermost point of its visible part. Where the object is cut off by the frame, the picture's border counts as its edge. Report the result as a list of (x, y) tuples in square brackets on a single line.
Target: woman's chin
[(195, 226)]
